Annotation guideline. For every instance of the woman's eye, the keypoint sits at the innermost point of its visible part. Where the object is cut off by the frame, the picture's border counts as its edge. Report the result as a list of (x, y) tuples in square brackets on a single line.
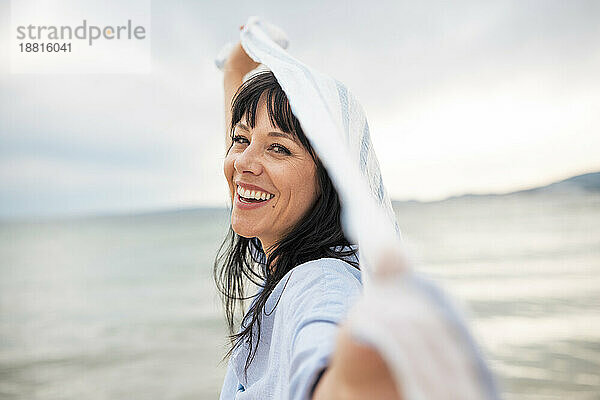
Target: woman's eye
[(280, 149), (277, 148), (238, 139)]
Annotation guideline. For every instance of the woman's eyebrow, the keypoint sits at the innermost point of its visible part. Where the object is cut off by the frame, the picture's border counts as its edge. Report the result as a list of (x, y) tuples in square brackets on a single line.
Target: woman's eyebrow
[(244, 127), (272, 133), (282, 134)]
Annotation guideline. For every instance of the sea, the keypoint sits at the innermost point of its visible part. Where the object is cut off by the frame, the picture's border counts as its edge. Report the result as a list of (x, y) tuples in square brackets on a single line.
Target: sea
[(125, 307)]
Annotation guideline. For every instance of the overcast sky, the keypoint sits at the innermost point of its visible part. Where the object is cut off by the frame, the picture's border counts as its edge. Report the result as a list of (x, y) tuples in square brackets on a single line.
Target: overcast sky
[(460, 96)]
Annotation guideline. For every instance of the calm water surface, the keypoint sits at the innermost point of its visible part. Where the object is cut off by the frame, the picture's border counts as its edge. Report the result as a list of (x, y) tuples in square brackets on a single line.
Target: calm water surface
[(122, 307)]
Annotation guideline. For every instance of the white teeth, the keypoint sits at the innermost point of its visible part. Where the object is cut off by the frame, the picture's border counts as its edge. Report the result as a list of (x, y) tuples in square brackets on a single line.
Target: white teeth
[(253, 194)]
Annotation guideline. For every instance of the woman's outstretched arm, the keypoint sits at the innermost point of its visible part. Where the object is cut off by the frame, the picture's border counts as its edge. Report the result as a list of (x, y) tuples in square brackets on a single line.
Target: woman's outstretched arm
[(356, 371), (237, 65)]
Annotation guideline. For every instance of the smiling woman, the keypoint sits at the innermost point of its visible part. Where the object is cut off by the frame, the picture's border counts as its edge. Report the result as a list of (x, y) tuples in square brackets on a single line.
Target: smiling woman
[(285, 237), (266, 160), (403, 338)]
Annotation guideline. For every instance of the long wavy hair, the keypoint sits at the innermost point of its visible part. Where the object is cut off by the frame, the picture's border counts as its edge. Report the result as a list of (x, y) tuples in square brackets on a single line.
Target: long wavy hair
[(240, 260)]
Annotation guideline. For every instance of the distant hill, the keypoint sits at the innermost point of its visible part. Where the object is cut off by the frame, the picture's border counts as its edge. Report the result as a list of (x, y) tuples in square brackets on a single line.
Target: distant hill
[(577, 184), (586, 182)]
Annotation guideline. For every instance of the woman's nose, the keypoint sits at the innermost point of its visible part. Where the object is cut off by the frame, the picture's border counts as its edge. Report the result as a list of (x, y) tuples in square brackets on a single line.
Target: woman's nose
[(248, 161)]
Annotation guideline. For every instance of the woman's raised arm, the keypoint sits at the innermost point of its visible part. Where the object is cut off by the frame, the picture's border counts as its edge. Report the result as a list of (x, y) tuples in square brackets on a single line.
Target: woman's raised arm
[(237, 65)]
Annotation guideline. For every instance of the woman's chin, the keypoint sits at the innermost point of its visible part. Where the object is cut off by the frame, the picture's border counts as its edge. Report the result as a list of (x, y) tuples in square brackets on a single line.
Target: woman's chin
[(244, 230), (245, 235)]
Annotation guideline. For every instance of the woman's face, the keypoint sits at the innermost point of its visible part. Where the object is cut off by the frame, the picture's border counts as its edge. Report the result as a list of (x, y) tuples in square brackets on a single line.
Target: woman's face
[(276, 171)]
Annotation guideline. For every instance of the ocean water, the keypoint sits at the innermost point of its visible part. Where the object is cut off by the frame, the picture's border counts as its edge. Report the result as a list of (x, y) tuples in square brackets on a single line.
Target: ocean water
[(125, 307)]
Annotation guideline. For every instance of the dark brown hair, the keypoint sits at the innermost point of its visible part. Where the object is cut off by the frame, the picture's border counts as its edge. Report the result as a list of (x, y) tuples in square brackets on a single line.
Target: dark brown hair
[(319, 234)]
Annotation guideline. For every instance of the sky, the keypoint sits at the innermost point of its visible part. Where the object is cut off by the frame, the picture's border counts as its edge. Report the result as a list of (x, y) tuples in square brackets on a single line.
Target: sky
[(461, 97)]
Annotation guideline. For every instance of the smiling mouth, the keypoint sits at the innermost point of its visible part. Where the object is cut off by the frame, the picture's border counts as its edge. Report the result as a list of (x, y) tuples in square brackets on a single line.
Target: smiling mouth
[(245, 200), (253, 196)]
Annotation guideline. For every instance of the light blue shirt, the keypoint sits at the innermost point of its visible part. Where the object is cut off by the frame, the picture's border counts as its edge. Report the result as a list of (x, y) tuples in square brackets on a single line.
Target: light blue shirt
[(298, 335)]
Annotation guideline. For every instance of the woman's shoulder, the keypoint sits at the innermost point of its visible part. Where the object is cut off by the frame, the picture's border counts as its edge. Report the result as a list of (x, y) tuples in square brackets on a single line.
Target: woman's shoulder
[(328, 268), (321, 281), (318, 290)]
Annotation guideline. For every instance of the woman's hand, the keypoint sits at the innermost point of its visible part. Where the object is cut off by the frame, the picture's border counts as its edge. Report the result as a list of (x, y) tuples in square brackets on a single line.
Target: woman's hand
[(356, 371), (239, 62), (423, 344)]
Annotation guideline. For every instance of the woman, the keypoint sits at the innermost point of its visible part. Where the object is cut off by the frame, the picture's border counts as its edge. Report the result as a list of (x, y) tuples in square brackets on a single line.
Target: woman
[(286, 237)]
